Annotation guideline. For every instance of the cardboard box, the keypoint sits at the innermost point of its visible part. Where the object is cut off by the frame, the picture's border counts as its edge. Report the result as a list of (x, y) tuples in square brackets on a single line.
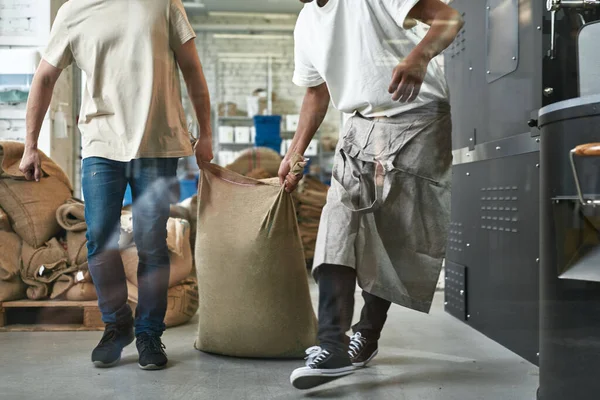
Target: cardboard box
[(242, 134), (226, 134), (312, 149), (291, 122)]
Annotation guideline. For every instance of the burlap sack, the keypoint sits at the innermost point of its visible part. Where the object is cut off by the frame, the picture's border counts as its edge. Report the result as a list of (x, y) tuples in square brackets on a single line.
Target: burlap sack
[(182, 303), (254, 296), (84, 291), (71, 216), (13, 289), (178, 241), (77, 249), (67, 288), (180, 212), (10, 255), (31, 206), (62, 285), (4, 222), (191, 205), (43, 266), (255, 158)]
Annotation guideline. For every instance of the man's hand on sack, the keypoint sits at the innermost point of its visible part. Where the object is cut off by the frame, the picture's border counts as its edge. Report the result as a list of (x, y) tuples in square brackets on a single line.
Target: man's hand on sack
[(286, 178), (30, 165), (408, 77), (203, 149)]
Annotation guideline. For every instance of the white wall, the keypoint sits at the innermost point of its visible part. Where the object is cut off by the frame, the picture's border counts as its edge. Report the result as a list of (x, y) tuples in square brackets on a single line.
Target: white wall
[(239, 79)]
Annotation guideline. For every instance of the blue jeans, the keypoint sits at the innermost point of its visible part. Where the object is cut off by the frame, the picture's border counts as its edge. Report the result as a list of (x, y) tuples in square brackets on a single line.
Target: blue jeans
[(104, 183)]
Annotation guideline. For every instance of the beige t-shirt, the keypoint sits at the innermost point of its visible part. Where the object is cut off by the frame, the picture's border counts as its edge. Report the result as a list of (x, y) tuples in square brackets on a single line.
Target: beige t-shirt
[(131, 104)]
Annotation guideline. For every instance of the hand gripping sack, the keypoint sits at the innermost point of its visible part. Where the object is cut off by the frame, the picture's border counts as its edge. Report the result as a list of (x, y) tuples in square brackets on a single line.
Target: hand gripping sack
[(253, 286)]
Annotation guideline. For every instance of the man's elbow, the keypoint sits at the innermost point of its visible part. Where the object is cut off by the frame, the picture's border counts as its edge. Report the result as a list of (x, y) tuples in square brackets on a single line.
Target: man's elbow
[(458, 20)]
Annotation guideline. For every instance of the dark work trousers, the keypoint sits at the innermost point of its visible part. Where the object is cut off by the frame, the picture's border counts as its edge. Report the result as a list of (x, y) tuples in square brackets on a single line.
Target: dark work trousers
[(337, 285)]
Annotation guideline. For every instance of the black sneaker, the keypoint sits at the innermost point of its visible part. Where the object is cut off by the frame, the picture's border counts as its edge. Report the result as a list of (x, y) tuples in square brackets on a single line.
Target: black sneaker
[(322, 366), (108, 352), (361, 350), (152, 353)]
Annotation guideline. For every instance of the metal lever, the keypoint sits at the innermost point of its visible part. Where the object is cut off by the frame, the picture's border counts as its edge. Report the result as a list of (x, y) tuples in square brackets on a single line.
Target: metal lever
[(584, 150)]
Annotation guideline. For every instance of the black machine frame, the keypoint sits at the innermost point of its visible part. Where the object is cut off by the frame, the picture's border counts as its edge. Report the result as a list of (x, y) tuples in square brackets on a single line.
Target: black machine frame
[(494, 235)]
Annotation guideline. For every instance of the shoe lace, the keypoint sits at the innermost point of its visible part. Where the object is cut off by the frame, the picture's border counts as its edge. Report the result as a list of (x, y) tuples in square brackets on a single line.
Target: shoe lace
[(151, 343), (109, 335), (357, 342), (315, 355)]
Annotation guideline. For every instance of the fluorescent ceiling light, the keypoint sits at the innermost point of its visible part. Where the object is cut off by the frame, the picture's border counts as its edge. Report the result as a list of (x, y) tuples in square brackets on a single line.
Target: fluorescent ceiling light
[(250, 55), (249, 37), (193, 6), (251, 15)]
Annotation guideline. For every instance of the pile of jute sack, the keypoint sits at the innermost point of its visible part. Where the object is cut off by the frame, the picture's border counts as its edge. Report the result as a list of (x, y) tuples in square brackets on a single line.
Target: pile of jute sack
[(43, 245), (251, 292), (309, 198)]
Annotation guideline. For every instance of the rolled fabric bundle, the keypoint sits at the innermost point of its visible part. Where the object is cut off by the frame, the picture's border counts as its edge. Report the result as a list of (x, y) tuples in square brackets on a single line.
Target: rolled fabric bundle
[(182, 301), (77, 249), (74, 287), (84, 291), (13, 289), (43, 266), (71, 216), (180, 251), (4, 222), (62, 285), (10, 255)]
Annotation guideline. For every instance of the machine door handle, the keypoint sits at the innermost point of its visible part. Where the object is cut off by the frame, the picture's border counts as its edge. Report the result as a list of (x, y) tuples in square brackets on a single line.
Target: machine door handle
[(584, 150), (589, 150)]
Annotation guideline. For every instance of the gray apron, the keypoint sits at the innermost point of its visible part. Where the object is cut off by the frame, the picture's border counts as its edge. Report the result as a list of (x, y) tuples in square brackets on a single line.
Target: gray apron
[(388, 209)]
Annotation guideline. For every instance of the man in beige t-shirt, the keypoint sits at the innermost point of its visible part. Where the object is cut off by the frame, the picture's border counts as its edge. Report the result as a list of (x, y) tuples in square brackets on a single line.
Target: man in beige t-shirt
[(133, 132)]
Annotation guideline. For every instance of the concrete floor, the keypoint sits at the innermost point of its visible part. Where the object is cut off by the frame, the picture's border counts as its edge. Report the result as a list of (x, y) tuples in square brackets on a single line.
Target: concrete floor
[(421, 358)]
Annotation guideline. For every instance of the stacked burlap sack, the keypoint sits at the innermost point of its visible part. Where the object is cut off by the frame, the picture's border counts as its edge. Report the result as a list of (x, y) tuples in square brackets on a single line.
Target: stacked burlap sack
[(310, 198), (182, 301), (43, 244), (29, 210)]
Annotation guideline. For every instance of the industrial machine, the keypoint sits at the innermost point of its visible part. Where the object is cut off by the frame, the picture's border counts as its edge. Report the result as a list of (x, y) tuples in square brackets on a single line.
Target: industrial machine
[(521, 268)]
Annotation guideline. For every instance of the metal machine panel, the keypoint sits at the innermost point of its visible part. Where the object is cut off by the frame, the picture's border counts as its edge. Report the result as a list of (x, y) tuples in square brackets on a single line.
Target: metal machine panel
[(455, 291), (502, 21), (498, 215), (487, 111), (589, 60)]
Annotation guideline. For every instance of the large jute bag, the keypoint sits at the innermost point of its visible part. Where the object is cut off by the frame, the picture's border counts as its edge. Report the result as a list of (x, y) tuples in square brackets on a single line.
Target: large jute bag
[(254, 295), (31, 206)]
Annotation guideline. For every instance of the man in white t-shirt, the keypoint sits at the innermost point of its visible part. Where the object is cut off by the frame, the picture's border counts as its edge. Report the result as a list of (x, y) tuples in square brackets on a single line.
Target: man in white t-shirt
[(387, 213), (133, 132)]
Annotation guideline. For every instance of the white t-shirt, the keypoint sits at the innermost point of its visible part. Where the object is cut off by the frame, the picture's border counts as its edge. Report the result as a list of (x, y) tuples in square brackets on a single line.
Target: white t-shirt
[(354, 46), (131, 106)]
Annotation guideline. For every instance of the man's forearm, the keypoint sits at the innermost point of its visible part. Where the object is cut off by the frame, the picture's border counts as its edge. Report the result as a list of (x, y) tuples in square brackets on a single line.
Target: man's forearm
[(37, 107), (312, 114), (200, 98), (444, 26)]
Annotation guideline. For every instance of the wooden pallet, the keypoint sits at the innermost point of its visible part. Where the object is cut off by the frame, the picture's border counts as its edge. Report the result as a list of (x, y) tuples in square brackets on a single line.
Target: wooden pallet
[(56, 316)]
